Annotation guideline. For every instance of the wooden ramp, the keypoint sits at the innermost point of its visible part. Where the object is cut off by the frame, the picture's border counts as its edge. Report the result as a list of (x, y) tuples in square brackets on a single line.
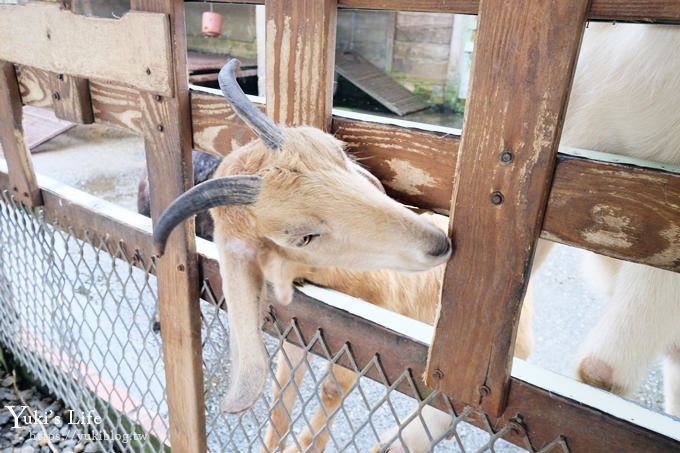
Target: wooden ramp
[(204, 67), (40, 125), (377, 84)]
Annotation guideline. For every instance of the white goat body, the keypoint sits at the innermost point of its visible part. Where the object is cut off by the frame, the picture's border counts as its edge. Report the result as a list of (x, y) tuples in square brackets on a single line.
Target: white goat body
[(626, 100)]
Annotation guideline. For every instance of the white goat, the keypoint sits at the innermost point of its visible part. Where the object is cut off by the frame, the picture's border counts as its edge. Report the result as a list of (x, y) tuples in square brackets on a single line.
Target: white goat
[(290, 206), (626, 100)]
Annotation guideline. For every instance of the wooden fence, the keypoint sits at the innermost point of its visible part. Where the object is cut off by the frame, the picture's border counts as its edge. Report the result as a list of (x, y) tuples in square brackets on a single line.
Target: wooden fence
[(147, 93)]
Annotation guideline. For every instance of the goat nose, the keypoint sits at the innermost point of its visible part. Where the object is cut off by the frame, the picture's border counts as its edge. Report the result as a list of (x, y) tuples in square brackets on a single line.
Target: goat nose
[(442, 248)]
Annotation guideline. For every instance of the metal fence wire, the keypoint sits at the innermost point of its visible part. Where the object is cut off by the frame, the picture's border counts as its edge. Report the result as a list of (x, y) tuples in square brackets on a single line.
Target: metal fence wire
[(372, 412), (79, 314)]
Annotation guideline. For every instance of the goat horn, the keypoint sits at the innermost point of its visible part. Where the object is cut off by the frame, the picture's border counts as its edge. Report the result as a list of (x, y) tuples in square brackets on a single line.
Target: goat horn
[(228, 190), (263, 127)]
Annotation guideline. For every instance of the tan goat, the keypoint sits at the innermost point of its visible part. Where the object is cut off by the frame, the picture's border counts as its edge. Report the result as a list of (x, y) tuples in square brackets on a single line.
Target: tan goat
[(293, 198), (293, 205)]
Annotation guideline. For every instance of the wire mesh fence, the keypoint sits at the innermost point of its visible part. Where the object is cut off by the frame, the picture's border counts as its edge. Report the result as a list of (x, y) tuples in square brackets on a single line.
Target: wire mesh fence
[(78, 315), (318, 405)]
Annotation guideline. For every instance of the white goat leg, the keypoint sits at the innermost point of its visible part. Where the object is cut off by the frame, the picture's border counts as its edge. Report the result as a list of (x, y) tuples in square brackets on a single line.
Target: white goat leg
[(639, 322), (671, 380)]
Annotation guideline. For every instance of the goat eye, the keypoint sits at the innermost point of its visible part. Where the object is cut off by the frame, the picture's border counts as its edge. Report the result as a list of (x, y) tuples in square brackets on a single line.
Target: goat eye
[(305, 240)]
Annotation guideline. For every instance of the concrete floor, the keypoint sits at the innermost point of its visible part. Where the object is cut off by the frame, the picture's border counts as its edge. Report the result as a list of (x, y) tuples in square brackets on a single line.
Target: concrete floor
[(107, 162)]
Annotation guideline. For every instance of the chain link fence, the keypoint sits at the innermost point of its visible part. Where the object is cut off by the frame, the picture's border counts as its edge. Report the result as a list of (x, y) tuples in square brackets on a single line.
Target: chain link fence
[(371, 415), (80, 315)]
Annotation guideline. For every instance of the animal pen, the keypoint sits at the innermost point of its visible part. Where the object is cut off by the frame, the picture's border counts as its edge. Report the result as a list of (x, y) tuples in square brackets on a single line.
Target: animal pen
[(81, 283)]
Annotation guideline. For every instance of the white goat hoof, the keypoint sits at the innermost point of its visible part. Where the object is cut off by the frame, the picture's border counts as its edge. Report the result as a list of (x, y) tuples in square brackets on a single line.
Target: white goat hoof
[(598, 373)]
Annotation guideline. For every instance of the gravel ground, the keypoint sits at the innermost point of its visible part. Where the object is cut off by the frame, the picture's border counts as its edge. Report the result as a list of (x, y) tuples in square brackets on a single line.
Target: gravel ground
[(47, 429), (108, 165)]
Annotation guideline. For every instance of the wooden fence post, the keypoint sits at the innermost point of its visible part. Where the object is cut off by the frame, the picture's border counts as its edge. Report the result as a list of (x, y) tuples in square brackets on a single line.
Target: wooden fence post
[(300, 56), (167, 133), (22, 176), (525, 53)]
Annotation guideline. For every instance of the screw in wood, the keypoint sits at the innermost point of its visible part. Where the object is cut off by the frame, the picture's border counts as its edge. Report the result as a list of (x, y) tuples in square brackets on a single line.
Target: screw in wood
[(438, 374), (159, 128), (180, 267), (56, 96), (159, 98), (484, 390), (506, 156), (497, 198)]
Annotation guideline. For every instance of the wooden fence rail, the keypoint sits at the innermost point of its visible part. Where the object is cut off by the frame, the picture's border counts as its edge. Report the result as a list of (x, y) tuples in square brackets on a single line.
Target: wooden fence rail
[(425, 168)]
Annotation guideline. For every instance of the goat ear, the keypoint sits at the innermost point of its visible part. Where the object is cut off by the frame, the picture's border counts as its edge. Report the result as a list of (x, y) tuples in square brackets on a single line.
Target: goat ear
[(242, 284), (368, 175), (228, 190)]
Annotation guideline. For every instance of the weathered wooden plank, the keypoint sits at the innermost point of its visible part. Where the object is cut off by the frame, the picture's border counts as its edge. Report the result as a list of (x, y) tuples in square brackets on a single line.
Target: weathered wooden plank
[(300, 53), (23, 183), (71, 98), (525, 54), (166, 124), (631, 212), (44, 36), (117, 105), (667, 11), (446, 6), (216, 128), (635, 10), (35, 86), (414, 166), (624, 10)]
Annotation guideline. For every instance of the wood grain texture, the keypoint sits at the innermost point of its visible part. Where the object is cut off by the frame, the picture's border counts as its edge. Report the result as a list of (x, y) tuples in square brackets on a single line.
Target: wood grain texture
[(44, 36), (300, 55), (116, 105), (631, 212), (166, 125), (216, 128), (35, 86), (71, 99), (522, 70), (666, 11), (623, 10), (24, 186), (662, 11), (414, 166)]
